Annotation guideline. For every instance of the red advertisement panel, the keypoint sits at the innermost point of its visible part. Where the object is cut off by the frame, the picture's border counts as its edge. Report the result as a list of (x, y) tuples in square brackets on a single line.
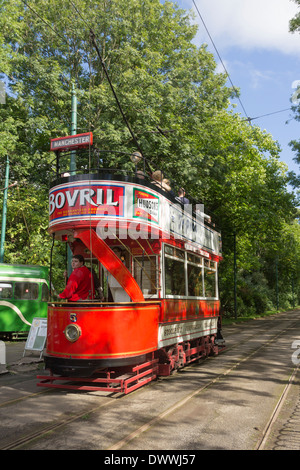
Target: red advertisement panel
[(146, 205), (77, 201)]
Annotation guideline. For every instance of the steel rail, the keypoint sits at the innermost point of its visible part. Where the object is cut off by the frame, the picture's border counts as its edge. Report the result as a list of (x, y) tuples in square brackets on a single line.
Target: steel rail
[(266, 432), (120, 444)]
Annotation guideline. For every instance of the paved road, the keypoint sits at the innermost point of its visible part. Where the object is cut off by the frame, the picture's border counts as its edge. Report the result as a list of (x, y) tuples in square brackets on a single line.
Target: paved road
[(224, 402)]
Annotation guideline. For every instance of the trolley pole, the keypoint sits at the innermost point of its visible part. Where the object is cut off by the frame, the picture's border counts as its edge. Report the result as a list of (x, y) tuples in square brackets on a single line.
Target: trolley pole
[(4, 210)]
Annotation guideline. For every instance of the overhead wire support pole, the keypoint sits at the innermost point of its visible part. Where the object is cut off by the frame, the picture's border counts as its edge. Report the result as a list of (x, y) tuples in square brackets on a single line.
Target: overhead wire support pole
[(72, 163), (73, 129), (4, 210)]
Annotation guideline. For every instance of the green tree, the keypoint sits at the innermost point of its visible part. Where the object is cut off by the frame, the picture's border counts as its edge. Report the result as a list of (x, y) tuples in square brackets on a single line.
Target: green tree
[(163, 80), (295, 22), (295, 144)]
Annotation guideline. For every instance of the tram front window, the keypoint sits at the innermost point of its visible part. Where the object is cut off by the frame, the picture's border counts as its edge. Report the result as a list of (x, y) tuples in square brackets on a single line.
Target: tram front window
[(26, 290), (5, 290)]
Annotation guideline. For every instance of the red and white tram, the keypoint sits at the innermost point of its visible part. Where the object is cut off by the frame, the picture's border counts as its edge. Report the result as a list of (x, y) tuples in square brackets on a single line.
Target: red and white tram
[(165, 311)]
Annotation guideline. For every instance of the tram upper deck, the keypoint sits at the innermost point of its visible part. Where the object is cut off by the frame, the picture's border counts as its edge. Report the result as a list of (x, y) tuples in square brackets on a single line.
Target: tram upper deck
[(129, 208)]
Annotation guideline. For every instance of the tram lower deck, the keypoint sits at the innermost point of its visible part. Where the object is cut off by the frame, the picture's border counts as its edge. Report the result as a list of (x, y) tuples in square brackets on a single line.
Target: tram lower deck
[(91, 336)]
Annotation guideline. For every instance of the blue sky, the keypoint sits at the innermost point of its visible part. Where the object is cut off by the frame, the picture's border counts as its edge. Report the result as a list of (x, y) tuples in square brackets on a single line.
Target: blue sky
[(261, 56)]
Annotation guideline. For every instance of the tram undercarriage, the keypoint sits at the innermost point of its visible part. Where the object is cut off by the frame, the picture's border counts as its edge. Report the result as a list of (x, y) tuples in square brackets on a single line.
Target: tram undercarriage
[(88, 376), (179, 355)]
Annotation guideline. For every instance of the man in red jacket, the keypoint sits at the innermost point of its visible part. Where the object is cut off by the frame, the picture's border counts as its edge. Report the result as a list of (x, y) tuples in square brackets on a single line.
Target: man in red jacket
[(80, 285)]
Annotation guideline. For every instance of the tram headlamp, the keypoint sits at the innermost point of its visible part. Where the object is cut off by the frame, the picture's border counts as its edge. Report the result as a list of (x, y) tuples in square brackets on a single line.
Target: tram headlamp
[(72, 332)]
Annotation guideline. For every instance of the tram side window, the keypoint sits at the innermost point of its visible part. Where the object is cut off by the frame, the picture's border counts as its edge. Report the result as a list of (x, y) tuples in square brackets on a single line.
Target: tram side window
[(26, 290), (145, 274), (174, 277), (6, 290), (195, 285), (210, 283)]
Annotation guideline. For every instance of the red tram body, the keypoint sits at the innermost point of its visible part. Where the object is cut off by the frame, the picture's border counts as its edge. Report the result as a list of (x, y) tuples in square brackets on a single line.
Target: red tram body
[(169, 315)]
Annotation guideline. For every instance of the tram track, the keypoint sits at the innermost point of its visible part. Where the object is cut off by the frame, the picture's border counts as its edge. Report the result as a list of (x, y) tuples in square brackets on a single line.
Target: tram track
[(45, 391), (262, 442), (122, 443), (20, 399), (285, 434), (50, 428)]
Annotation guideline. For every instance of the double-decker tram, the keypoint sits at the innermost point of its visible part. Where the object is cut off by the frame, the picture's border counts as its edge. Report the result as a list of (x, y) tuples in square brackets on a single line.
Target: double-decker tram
[(157, 263)]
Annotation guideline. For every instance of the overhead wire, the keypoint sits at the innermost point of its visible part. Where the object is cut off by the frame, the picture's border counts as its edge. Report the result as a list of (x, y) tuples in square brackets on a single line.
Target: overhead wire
[(249, 119), (93, 40), (221, 60), (45, 22), (268, 114)]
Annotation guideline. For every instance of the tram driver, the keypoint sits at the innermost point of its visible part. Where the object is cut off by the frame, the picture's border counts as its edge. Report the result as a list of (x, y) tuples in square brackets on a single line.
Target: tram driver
[(80, 285)]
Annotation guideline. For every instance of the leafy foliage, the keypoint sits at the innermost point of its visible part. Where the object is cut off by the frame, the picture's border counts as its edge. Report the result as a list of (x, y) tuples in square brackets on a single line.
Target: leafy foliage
[(295, 22), (163, 80)]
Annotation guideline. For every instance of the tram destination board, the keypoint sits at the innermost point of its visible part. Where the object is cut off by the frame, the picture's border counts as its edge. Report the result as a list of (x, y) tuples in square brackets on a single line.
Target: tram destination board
[(71, 142)]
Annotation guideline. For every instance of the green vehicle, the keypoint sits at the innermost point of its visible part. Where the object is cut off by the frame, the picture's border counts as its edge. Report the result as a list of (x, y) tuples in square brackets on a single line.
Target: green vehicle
[(24, 293)]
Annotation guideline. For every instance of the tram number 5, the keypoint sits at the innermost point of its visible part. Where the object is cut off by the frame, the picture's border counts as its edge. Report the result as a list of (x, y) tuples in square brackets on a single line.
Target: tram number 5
[(295, 358)]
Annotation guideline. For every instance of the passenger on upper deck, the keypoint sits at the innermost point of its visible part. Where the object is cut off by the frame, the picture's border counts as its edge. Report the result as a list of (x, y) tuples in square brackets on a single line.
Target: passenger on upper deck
[(80, 284), (159, 180), (181, 196), (166, 184), (140, 174)]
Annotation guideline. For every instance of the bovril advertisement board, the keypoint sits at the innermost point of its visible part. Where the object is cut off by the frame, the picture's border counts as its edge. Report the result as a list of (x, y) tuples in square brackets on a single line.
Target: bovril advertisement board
[(94, 203)]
